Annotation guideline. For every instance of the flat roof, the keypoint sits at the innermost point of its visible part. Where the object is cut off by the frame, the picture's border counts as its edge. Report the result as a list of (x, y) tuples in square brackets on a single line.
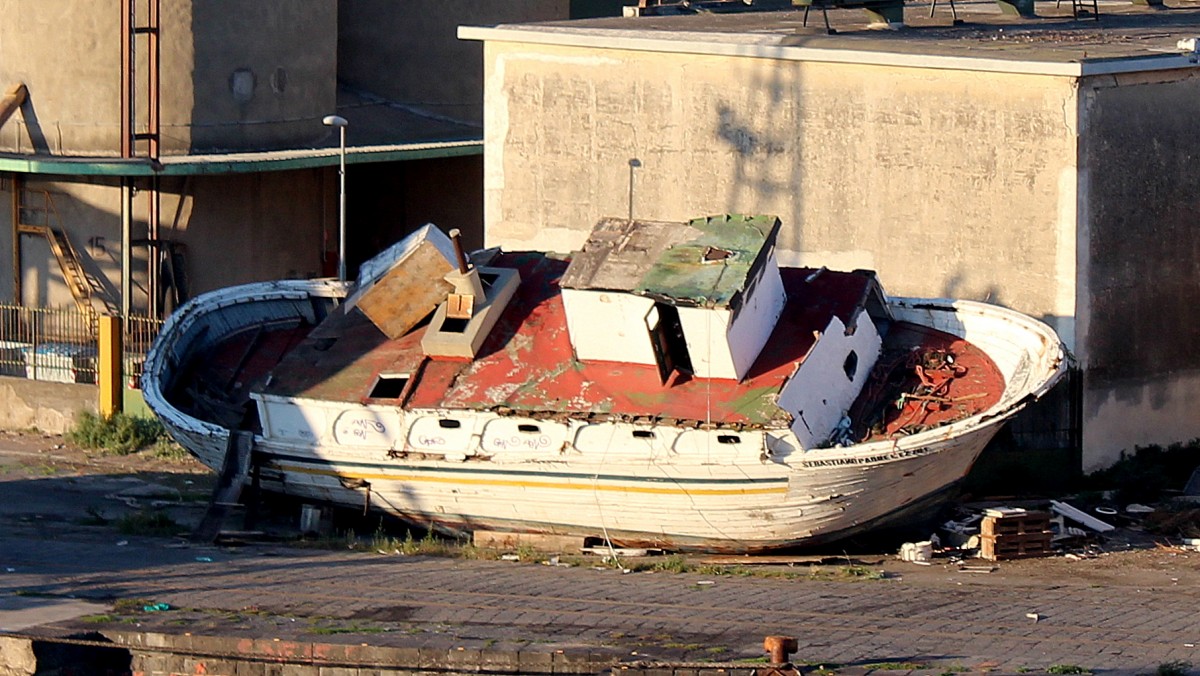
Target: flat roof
[(1126, 38), (705, 262), (379, 131)]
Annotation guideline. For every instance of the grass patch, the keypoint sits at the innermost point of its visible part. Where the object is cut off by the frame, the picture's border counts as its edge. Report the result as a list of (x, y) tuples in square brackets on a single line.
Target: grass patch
[(674, 645), (673, 563), (154, 523), (346, 629), (98, 619), (894, 666), (845, 573), (165, 448), (1066, 669), (34, 593), (1175, 668), (40, 469), (126, 606), (119, 434), (527, 553), (384, 543)]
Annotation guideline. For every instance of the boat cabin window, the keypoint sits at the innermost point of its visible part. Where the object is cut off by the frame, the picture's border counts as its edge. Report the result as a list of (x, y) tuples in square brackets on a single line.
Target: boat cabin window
[(643, 434), (449, 424), (527, 428), (728, 439), (850, 366), (389, 387), (488, 280)]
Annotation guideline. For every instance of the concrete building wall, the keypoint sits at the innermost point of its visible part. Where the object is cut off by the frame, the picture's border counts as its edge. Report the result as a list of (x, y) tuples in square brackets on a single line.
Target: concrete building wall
[(264, 72), (223, 86), (233, 229), (409, 51), (52, 408), (949, 183), (1140, 262), (67, 52)]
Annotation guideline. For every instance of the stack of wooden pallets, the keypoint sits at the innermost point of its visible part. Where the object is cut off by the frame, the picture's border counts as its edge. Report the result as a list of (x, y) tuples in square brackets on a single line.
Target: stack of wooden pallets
[(1014, 534)]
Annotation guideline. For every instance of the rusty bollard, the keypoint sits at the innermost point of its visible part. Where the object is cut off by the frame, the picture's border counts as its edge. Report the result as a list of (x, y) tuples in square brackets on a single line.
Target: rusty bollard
[(780, 648)]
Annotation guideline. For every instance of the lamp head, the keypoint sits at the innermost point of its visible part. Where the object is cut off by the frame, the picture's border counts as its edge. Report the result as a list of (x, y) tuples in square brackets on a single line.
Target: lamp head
[(334, 121)]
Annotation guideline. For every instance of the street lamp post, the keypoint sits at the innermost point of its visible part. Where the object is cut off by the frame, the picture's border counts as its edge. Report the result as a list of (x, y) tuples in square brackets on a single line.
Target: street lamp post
[(341, 123)]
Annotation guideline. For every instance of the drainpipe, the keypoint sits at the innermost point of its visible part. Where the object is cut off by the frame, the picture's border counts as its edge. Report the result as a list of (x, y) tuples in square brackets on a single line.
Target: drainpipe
[(153, 252)]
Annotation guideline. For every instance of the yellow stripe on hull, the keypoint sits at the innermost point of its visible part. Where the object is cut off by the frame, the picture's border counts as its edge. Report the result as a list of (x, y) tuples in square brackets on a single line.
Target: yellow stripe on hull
[(511, 483)]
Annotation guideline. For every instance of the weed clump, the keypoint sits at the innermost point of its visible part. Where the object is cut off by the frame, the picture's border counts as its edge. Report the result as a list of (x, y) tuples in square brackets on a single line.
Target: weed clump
[(119, 434), (1147, 473), (155, 523), (1176, 668)]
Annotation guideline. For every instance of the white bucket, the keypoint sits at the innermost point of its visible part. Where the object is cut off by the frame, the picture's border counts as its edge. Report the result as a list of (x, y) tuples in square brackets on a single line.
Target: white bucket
[(919, 552)]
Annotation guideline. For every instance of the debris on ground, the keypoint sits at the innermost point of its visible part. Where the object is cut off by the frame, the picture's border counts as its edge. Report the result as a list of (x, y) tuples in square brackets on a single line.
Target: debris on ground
[(1075, 514), (1040, 528)]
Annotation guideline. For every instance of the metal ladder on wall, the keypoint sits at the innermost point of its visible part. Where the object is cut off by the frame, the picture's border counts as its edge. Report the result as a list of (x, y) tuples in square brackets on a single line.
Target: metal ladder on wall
[(38, 218)]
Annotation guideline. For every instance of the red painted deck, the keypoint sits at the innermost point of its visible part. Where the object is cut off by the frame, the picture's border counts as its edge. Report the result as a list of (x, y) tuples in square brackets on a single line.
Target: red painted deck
[(527, 363)]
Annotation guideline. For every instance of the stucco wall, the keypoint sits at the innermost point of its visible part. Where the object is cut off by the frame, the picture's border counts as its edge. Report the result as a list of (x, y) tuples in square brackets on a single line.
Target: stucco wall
[(234, 75), (1140, 317), (50, 407), (409, 51), (949, 183)]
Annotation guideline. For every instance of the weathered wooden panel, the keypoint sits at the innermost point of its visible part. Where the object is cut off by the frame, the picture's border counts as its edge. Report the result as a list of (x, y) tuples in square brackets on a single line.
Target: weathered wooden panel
[(408, 292)]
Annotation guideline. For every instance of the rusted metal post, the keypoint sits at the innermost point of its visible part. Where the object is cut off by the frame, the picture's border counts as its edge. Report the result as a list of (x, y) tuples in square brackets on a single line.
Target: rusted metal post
[(17, 187), (152, 65), (126, 79), (153, 252), (780, 648), (456, 236)]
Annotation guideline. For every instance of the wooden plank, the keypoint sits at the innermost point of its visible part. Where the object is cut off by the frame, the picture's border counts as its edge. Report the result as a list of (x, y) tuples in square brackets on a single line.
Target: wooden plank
[(408, 292), (1029, 522), (490, 539), (1014, 546)]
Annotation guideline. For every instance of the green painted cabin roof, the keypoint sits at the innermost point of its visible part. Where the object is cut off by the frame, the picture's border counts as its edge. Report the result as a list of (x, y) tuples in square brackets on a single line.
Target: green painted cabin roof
[(668, 260)]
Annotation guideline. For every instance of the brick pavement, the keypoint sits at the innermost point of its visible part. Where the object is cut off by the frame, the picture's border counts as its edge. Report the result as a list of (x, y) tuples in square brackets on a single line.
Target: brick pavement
[(948, 621)]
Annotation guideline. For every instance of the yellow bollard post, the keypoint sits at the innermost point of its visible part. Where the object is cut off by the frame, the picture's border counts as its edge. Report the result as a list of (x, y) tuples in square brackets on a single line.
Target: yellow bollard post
[(109, 375)]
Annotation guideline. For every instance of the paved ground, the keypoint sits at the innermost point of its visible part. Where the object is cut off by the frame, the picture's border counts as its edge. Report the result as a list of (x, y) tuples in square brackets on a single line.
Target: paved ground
[(1125, 613)]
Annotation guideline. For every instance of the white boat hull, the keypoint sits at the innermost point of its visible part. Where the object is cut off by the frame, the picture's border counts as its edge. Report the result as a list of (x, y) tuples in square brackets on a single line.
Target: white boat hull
[(752, 500)]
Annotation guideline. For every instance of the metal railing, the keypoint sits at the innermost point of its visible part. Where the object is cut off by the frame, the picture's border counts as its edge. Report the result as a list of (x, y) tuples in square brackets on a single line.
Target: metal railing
[(139, 335), (61, 345)]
